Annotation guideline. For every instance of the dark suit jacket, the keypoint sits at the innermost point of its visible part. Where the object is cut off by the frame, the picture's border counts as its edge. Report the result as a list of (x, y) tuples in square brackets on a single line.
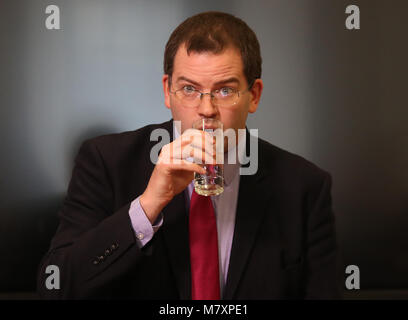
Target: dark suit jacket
[(284, 243)]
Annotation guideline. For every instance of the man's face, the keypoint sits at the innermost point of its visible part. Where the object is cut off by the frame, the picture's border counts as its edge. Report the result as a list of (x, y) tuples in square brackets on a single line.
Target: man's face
[(207, 72)]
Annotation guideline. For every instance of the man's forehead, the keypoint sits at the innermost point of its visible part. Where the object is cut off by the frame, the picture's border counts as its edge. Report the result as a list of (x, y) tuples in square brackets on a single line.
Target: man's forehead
[(226, 64)]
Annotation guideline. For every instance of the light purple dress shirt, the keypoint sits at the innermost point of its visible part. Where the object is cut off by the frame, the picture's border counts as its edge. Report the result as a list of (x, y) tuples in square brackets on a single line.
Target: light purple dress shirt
[(225, 206)]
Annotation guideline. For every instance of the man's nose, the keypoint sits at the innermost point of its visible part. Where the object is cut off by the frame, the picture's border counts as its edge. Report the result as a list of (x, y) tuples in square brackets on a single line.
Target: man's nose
[(206, 109)]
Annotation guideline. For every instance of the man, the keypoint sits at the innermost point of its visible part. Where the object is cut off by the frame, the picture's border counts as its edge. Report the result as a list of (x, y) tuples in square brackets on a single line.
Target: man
[(126, 226)]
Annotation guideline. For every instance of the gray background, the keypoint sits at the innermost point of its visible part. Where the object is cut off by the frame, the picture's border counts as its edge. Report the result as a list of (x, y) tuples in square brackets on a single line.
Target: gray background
[(336, 97)]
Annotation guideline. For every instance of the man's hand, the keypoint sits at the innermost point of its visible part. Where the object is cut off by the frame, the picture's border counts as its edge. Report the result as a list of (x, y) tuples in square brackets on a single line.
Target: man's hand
[(173, 173)]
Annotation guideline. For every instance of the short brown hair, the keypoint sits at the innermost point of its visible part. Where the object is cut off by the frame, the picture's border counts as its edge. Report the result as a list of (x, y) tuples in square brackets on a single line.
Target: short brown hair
[(213, 32)]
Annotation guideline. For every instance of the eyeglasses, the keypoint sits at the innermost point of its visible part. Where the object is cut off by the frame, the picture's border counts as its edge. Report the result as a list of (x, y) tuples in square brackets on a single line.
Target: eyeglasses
[(224, 97)]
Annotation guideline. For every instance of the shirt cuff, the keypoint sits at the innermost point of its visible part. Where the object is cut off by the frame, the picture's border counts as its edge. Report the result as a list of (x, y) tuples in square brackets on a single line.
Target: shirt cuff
[(144, 230)]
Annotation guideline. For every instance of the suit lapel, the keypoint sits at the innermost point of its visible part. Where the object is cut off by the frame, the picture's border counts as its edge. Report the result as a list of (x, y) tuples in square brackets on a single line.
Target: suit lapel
[(251, 208), (250, 212)]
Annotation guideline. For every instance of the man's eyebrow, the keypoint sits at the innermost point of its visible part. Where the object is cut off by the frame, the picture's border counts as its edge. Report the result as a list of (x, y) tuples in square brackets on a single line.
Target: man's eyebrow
[(229, 80), (188, 80)]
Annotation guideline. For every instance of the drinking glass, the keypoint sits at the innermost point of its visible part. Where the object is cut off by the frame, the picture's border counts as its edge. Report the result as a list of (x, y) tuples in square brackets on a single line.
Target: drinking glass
[(212, 182)]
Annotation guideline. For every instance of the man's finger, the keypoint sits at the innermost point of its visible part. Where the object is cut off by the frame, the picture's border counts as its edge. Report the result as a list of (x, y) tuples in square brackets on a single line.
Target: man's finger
[(180, 164)]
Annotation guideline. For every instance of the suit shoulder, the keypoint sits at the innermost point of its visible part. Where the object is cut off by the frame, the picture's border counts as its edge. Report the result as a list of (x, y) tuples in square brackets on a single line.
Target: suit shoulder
[(126, 139), (288, 164)]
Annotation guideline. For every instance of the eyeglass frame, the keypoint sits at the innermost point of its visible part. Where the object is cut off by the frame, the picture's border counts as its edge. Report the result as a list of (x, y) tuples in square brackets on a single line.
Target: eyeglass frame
[(211, 92)]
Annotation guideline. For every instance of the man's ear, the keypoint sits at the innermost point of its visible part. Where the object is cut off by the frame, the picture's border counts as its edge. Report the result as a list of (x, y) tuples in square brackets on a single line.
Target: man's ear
[(166, 90), (255, 92)]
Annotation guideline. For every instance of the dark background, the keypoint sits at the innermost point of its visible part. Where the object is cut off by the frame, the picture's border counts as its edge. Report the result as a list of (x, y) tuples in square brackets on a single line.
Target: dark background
[(334, 96)]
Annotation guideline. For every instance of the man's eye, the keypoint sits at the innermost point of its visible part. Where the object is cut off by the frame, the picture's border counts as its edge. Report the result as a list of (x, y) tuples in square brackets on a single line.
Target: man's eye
[(188, 89), (226, 91)]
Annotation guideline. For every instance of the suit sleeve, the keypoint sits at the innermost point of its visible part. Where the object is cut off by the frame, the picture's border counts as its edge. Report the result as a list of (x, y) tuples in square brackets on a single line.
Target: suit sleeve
[(323, 260), (93, 247)]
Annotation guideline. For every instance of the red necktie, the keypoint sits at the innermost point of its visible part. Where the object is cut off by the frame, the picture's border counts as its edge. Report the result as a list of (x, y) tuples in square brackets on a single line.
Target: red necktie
[(205, 281)]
